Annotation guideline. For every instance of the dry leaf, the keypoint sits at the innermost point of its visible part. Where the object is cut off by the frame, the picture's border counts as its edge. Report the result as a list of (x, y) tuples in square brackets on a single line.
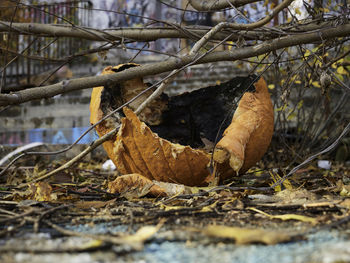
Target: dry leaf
[(41, 191), (285, 217), (144, 233), (247, 235), (134, 186)]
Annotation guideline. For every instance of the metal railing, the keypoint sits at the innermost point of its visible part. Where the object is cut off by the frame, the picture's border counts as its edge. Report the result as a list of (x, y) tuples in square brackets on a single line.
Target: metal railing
[(26, 69)]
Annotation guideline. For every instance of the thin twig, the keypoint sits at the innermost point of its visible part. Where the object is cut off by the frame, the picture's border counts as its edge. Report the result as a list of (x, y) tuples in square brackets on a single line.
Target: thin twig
[(311, 158), (77, 158)]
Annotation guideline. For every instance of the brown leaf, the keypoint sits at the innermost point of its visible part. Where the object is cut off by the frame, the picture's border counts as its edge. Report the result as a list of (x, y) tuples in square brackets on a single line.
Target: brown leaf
[(134, 186), (41, 191)]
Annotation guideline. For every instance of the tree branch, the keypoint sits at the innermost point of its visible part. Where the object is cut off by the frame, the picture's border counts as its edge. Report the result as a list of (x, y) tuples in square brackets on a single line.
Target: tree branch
[(151, 34), (215, 5), (137, 34), (263, 21), (171, 64)]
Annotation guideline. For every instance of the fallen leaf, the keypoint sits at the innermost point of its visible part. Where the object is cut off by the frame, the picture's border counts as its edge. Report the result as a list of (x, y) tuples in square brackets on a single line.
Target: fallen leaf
[(276, 178), (142, 234), (285, 217), (247, 235), (136, 185), (43, 192), (133, 186)]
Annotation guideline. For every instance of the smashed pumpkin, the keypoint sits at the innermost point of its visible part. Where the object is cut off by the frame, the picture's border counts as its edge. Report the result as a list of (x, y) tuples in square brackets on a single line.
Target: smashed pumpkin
[(187, 118)]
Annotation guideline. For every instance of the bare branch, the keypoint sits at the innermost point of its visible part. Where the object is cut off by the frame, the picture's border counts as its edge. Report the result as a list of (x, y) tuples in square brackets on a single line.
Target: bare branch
[(171, 64), (194, 50), (61, 30), (263, 21), (154, 33), (214, 5)]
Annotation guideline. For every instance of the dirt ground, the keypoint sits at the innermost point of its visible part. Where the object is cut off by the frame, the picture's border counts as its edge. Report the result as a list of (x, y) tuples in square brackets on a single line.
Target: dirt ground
[(74, 218)]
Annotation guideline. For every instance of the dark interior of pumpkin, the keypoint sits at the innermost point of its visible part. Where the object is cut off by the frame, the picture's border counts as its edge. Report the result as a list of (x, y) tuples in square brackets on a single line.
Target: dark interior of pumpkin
[(192, 118)]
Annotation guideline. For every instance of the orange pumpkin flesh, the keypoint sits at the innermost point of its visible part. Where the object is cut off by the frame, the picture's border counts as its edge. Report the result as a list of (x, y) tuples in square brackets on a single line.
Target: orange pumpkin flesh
[(247, 138)]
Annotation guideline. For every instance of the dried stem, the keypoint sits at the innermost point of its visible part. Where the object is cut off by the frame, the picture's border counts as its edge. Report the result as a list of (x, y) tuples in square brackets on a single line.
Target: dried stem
[(77, 158)]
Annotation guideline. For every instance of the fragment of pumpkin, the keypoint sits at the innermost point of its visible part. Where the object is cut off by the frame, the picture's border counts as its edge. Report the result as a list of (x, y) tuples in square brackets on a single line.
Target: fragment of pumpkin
[(248, 136), (138, 150)]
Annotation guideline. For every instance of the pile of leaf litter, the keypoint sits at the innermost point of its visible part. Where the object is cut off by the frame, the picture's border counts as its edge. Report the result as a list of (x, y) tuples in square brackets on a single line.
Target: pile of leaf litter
[(77, 202)]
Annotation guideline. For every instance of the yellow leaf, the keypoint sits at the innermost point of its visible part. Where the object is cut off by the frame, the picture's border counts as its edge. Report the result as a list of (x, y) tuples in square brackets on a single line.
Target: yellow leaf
[(341, 70), (300, 104), (276, 177), (93, 244), (316, 84), (247, 235), (43, 192), (143, 234), (307, 53), (318, 63), (230, 45), (297, 82), (291, 116), (271, 86), (297, 11), (345, 192), (282, 108), (285, 217), (339, 76), (266, 3)]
